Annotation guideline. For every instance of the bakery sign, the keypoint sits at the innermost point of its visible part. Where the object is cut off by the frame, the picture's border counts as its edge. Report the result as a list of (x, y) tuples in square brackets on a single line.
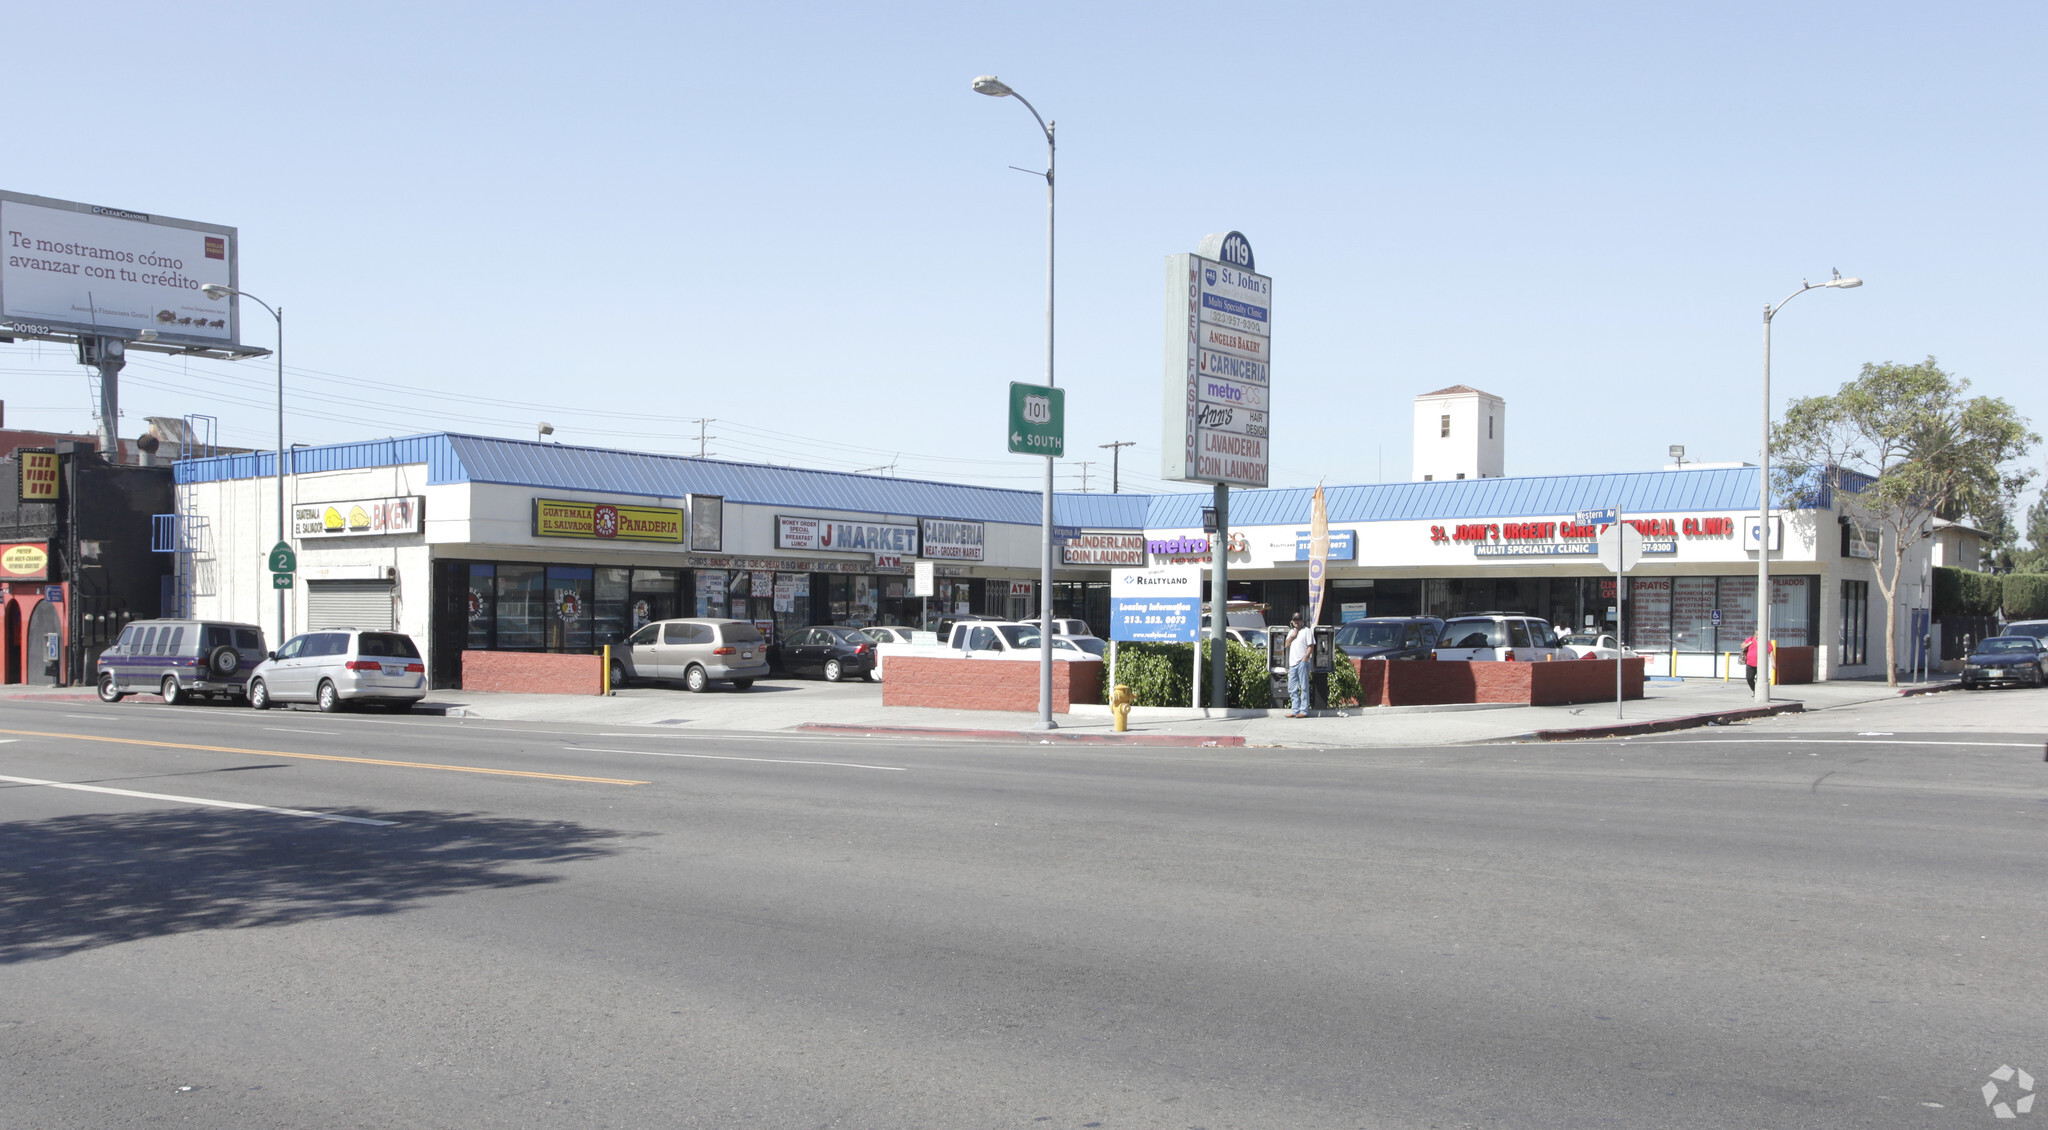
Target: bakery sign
[(359, 517), (604, 521)]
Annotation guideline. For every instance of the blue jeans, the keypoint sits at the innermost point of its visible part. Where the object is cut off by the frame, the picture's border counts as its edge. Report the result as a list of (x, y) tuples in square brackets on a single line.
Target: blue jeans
[(1298, 677)]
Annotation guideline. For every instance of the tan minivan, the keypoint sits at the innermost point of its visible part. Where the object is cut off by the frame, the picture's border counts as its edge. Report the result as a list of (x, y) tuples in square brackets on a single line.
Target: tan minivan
[(694, 652)]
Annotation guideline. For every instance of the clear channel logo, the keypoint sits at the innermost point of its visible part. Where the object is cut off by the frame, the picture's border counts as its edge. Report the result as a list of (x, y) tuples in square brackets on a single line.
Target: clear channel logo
[(2009, 1092)]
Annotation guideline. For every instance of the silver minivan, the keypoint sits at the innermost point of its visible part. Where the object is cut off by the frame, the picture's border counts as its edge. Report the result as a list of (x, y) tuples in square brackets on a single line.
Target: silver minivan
[(180, 660), (337, 667), (696, 652)]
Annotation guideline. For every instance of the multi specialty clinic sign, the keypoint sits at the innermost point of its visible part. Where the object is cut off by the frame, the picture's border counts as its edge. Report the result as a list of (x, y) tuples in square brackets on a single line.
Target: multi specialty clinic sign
[(1162, 604), (86, 269), (1218, 376)]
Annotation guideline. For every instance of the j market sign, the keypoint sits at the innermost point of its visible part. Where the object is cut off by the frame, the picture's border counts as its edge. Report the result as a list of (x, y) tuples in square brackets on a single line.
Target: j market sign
[(825, 535)]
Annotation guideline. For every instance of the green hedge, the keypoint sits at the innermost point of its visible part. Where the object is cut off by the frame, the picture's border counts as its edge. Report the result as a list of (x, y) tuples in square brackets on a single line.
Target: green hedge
[(1157, 674), (1962, 592), (2026, 596)]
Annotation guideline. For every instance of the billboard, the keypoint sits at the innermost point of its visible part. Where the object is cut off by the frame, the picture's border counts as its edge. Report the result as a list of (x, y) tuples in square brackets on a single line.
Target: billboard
[(1217, 378), (86, 269)]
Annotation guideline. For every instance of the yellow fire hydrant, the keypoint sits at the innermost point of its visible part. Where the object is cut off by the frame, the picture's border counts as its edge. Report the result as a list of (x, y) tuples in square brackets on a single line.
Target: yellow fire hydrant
[(1120, 702)]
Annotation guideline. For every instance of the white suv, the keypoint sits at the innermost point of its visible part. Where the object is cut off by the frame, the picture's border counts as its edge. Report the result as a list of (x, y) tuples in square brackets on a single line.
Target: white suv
[(1488, 636)]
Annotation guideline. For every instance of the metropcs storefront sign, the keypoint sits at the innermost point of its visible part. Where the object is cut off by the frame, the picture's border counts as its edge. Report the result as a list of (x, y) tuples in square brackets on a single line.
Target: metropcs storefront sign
[(1566, 538)]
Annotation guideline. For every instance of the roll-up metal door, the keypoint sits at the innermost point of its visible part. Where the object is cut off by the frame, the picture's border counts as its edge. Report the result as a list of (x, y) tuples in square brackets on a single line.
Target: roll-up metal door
[(349, 604)]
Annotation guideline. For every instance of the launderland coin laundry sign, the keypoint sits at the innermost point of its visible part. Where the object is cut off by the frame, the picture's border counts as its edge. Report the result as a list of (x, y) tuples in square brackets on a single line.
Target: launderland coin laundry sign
[(1219, 340)]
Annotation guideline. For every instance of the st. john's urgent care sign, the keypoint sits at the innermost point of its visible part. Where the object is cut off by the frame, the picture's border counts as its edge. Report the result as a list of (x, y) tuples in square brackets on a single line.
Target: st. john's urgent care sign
[(1564, 529)]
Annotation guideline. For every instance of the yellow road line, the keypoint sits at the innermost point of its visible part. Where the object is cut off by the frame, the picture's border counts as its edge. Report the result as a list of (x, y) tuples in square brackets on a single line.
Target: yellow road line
[(331, 757)]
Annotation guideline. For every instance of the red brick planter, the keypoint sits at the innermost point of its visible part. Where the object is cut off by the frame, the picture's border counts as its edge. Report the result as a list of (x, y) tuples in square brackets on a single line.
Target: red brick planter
[(529, 672), (1437, 683), (988, 684)]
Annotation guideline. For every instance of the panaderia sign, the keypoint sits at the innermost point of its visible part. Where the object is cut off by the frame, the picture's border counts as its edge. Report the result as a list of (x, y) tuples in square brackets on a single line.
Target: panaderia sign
[(561, 518)]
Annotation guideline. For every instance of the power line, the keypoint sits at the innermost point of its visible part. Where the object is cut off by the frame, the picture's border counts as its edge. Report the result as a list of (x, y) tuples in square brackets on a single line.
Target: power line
[(1115, 457)]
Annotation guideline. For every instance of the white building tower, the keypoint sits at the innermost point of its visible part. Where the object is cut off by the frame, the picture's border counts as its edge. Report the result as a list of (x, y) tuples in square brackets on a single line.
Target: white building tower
[(1460, 433)]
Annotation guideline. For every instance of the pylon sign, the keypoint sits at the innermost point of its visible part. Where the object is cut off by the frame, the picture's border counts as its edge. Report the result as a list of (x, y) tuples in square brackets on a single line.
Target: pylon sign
[(1218, 376)]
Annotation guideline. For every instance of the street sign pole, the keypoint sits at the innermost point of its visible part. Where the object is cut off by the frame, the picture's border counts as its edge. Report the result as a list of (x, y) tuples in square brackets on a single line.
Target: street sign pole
[(1621, 546), (1038, 426)]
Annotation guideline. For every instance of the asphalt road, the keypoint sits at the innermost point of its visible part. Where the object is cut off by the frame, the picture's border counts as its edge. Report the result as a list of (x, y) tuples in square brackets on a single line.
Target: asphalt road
[(1836, 921)]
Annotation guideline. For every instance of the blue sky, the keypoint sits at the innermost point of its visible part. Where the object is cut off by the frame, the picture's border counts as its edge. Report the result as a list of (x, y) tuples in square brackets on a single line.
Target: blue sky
[(799, 220)]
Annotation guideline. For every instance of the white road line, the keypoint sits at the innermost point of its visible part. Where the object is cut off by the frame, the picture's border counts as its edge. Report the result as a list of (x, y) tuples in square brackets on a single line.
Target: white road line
[(286, 730), (720, 757), (1828, 741), (235, 804)]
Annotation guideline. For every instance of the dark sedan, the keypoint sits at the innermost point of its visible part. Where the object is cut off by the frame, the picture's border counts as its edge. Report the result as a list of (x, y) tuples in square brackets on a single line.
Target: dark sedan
[(835, 653), (1390, 637), (2006, 660)]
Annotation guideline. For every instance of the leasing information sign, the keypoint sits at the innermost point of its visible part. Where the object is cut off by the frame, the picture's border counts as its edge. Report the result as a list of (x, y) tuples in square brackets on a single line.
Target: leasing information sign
[(1162, 604), (1218, 380), (85, 268)]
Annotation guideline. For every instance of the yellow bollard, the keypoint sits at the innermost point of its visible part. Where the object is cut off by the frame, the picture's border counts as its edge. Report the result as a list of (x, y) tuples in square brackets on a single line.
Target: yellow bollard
[(1120, 702), (607, 676), (1771, 661)]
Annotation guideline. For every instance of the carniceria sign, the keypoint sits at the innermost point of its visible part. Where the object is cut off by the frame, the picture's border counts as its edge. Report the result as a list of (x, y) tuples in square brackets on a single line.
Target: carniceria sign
[(952, 541), (1218, 379)]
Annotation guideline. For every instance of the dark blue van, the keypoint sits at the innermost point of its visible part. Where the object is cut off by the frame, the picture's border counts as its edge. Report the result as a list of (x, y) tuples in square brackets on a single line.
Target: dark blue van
[(180, 659)]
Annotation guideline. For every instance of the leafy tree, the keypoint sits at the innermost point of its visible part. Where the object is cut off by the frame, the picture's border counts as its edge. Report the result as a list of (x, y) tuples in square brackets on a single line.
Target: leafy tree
[(2035, 559), (1926, 449)]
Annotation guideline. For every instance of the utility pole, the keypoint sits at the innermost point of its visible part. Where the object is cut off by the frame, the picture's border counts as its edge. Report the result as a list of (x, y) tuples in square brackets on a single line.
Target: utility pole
[(703, 439), (1085, 464), (1114, 455)]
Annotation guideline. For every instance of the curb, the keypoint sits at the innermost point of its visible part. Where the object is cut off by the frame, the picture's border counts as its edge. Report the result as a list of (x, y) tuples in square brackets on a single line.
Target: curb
[(1933, 688), (1033, 737), (1659, 726)]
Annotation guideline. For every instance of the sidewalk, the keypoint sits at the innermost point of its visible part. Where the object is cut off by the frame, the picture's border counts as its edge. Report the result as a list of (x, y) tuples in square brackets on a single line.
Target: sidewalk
[(802, 706)]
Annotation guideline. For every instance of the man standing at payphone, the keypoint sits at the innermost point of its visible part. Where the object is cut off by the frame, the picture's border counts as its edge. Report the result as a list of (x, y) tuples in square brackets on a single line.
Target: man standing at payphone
[(1300, 666)]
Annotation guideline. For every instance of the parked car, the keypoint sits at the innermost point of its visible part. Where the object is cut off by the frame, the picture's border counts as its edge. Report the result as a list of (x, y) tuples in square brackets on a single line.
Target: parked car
[(944, 628), (1092, 646), (1596, 645), (696, 652), (1250, 637), (895, 633), (1488, 636), (2006, 659), (835, 653), (1070, 627), (1390, 637), (180, 659), (2035, 628), (336, 668)]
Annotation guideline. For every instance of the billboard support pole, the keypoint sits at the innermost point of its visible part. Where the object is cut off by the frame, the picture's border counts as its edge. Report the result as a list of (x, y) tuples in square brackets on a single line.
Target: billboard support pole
[(1219, 600), (108, 355)]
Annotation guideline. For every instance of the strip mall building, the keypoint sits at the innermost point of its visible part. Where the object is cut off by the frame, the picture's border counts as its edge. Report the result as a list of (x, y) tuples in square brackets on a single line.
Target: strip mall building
[(478, 543)]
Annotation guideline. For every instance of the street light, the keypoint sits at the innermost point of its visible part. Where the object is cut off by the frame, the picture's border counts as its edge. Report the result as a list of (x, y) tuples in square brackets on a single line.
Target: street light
[(1763, 494), (216, 292), (997, 88)]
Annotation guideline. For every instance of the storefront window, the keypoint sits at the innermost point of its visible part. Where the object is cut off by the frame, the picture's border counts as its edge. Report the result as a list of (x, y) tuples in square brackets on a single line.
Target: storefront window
[(711, 593), (568, 612), (654, 595), (522, 607), (1855, 623), (1791, 608), (840, 602), (1693, 600), (792, 602), (480, 606), (1649, 609), (1738, 612), (608, 606)]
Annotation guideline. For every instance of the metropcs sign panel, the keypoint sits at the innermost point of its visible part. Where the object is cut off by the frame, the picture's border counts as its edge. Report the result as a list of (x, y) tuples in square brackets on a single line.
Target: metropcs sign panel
[(1218, 380)]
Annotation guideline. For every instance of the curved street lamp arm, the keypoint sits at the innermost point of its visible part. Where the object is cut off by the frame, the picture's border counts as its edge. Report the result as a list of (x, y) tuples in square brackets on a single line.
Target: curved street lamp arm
[(1804, 286), (1042, 127)]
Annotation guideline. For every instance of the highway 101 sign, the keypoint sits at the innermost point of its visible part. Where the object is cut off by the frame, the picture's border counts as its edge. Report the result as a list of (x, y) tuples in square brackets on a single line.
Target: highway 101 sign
[(1219, 339), (1038, 420)]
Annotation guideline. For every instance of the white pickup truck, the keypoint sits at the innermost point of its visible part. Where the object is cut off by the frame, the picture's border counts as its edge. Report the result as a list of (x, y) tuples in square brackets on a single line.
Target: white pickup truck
[(983, 639)]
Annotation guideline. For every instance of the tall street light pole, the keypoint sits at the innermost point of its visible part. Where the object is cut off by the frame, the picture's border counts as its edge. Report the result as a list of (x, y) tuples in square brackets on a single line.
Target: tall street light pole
[(1763, 496), (996, 88), (217, 292)]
